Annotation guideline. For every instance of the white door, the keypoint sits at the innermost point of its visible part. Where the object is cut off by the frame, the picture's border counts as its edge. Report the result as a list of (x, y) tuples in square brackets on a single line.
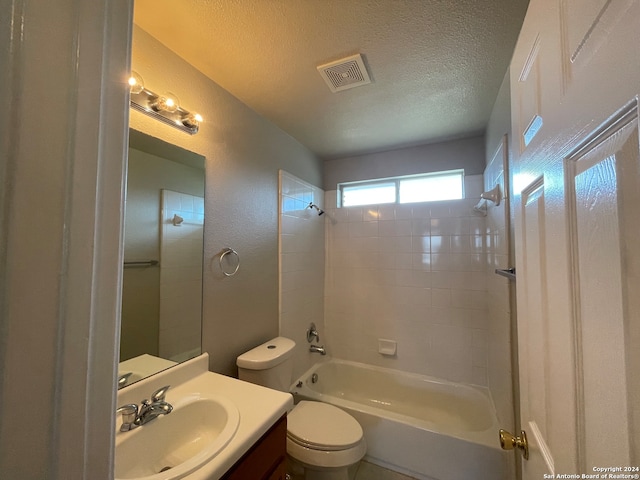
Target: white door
[(575, 78)]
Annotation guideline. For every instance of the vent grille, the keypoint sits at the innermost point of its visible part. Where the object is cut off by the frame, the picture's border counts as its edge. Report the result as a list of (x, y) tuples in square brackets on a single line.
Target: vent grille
[(346, 73)]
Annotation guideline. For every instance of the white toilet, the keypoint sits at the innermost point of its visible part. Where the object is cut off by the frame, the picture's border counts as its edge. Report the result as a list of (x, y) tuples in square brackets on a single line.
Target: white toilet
[(322, 440)]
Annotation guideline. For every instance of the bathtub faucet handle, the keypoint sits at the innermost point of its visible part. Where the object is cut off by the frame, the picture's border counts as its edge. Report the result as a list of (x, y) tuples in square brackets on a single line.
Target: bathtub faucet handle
[(312, 333)]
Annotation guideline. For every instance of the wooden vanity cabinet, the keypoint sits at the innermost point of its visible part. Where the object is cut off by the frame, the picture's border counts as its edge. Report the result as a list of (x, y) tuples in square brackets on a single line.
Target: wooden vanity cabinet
[(266, 460)]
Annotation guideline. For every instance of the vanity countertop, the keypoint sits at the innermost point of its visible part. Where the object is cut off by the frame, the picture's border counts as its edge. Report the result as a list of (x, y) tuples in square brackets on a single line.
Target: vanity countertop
[(259, 407)]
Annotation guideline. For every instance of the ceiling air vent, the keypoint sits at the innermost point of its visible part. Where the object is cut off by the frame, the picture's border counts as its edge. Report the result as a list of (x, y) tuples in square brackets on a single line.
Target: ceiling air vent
[(346, 73)]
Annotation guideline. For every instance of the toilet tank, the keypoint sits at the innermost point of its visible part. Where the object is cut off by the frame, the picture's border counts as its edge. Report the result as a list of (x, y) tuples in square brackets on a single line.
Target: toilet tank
[(269, 364)]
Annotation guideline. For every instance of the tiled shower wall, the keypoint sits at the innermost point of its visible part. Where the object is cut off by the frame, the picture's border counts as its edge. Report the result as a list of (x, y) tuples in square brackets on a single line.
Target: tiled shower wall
[(180, 276), (415, 274), (302, 252)]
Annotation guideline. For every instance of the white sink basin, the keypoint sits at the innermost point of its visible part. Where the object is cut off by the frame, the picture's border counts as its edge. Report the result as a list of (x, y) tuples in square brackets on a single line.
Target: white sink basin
[(175, 445)]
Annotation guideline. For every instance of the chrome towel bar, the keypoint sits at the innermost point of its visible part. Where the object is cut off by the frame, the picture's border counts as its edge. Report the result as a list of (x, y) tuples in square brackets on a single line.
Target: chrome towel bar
[(146, 263)]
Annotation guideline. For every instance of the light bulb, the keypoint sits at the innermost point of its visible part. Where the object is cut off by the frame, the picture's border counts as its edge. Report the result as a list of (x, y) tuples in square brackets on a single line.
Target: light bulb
[(167, 103), (192, 120), (136, 84)]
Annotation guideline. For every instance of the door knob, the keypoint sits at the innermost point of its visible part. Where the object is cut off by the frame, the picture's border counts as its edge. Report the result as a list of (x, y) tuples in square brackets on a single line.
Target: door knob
[(509, 442)]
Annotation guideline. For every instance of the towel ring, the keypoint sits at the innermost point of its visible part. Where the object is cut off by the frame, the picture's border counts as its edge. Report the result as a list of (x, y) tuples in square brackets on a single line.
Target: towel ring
[(225, 252)]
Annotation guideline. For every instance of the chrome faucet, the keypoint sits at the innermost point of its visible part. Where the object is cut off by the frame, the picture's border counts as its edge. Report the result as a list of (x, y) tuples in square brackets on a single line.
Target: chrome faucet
[(317, 349), (123, 379), (134, 416), (150, 409), (312, 333)]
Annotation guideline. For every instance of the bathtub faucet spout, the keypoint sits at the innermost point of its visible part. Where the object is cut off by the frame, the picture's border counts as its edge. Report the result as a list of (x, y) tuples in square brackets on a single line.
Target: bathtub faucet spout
[(317, 349)]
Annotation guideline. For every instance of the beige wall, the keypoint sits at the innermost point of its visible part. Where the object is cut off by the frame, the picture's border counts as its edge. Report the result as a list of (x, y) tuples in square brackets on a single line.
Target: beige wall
[(244, 152), (466, 153)]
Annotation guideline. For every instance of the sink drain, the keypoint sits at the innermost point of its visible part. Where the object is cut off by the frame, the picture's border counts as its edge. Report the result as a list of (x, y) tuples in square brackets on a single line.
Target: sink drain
[(164, 469)]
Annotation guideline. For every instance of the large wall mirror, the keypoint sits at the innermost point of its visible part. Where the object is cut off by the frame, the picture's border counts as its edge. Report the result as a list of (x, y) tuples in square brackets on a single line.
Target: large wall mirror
[(162, 279)]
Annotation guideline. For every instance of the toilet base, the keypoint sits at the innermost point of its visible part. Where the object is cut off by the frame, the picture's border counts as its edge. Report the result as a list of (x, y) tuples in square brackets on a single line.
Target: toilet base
[(299, 471)]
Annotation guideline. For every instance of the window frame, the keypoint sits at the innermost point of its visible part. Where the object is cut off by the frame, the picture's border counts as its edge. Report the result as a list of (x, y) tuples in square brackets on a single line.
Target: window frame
[(397, 181)]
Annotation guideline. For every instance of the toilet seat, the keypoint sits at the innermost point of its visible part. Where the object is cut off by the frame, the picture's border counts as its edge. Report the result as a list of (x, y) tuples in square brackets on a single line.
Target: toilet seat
[(323, 436), (321, 426), (321, 459)]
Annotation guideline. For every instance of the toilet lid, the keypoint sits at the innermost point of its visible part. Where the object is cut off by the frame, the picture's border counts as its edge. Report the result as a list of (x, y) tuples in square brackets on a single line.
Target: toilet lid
[(322, 426)]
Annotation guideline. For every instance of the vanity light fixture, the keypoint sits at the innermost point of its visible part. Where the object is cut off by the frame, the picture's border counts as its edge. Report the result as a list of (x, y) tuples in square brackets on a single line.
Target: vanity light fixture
[(165, 108)]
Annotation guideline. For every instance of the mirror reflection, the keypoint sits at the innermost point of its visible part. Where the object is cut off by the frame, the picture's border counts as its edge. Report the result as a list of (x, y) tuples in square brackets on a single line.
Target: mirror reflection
[(163, 245)]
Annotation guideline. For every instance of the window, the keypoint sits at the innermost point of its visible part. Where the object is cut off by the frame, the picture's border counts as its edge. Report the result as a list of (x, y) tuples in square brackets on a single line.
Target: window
[(364, 194), (414, 188)]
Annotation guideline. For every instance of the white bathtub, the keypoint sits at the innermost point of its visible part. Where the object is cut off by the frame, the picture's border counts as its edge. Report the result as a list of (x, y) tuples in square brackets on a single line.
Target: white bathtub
[(421, 426)]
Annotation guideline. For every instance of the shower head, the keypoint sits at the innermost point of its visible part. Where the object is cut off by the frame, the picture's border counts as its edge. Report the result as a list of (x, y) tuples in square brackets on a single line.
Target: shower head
[(494, 195), (313, 205)]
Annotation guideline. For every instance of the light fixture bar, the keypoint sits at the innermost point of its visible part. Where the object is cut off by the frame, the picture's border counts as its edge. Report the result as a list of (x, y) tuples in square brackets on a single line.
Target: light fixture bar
[(147, 102)]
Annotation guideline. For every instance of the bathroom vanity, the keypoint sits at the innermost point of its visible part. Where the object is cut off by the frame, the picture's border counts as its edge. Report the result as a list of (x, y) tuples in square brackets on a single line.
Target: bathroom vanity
[(220, 428), (266, 459)]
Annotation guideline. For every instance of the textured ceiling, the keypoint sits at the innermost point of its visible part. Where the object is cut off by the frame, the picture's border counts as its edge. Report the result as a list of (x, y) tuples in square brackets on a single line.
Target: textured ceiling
[(436, 65)]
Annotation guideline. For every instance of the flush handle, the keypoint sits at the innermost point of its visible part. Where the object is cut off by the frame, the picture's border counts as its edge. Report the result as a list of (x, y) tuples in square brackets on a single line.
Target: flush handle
[(509, 442)]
